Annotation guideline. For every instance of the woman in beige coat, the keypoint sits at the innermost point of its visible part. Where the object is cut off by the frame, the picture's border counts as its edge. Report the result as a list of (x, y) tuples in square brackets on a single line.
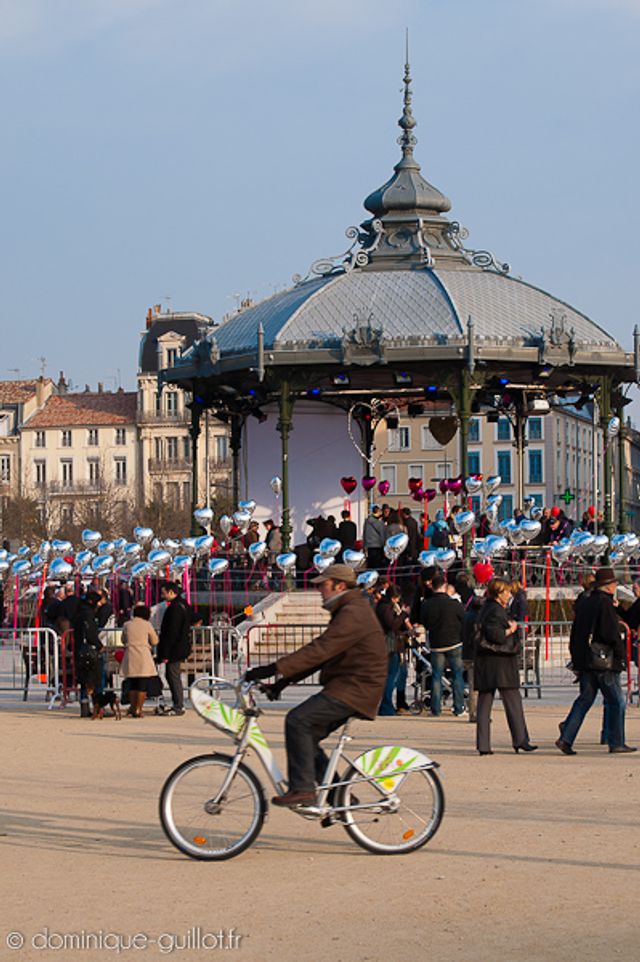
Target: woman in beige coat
[(138, 666)]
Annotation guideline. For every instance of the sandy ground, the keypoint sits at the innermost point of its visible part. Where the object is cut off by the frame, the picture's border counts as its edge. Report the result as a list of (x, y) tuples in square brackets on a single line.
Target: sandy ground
[(537, 857)]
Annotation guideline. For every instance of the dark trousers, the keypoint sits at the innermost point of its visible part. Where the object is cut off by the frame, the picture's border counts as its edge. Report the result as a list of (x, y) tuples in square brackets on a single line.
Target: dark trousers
[(174, 681), (305, 727), (515, 718), (375, 558), (591, 682)]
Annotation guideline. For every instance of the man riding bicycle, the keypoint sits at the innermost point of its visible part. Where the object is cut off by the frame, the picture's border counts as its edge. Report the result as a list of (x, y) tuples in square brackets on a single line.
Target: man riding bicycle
[(352, 655)]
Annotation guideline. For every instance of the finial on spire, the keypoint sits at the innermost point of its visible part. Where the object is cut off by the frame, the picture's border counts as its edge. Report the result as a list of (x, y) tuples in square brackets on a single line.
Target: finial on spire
[(407, 122)]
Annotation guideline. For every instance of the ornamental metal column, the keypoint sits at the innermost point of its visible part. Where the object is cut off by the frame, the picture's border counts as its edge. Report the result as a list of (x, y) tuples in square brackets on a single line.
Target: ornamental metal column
[(284, 427), (464, 419), (235, 443), (622, 471), (607, 461), (194, 431)]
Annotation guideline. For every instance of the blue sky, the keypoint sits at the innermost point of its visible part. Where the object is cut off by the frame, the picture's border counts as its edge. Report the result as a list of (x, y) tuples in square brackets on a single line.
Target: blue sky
[(198, 150)]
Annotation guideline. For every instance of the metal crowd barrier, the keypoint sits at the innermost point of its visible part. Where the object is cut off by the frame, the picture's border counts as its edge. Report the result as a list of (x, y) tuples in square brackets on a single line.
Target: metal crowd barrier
[(29, 661), (268, 642)]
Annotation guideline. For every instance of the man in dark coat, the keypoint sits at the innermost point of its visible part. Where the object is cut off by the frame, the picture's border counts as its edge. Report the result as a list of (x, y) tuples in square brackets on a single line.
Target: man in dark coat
[(442, 617), (352, 656), (596, 619), (410, 554), (347, 531), (175, 642)]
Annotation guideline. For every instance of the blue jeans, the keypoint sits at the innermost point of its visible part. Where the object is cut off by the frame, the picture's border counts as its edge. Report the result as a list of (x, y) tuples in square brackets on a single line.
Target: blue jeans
[(453, 659), (591, 682), (386, 705), (604, 735)]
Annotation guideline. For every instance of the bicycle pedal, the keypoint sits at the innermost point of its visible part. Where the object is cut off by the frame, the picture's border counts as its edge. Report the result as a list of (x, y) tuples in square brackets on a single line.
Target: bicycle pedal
[(327, 821)]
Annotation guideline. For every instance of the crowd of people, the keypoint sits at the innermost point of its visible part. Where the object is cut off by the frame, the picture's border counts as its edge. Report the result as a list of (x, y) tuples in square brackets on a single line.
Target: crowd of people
[(476, 636), (151, 637)]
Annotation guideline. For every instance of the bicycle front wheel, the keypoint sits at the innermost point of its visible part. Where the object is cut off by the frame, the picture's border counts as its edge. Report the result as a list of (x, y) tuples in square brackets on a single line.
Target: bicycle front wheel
[(398, 823), (198, 822)]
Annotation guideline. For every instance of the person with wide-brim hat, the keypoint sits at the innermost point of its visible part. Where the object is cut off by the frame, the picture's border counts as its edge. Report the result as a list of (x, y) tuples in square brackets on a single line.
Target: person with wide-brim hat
[(596, 628)]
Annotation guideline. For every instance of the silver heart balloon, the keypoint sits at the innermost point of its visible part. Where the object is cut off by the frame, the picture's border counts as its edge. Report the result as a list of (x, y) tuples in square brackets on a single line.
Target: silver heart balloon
[(322, 562), (21, 568), (445, 558), (464, 521), (159, 557), (106, 547), (583, 543), (37, 561), (140, 569), (492, 483), (514, 532), (204, 545), (561, 550), (391, 553), (226, 524), (494, 500), (4, 566), (60, 548), (479, 548), (132, 550), (142, 535), (492, 513), (119, 544), (102, 564), (367, 579), (189, 546), (600, 544), (329, 547), (61, 568), (355, 559), (249, 506), (536, 513), (398, 542), (613, 427), (84, 558), (218, 566), (618, 542), (24, 551), (632, 544), (427, 559), (90, 539), (182, 562), (45, 550), (286, 561), (530, 529), (617, 557), (203, 516), (276, 485), (257, 551), (528, 502), (496, 544), (472, 485), (172, 546), (242, 519)]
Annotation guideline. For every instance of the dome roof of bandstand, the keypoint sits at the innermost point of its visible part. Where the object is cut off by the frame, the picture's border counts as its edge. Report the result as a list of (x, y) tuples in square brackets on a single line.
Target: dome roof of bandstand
[(407, 292)]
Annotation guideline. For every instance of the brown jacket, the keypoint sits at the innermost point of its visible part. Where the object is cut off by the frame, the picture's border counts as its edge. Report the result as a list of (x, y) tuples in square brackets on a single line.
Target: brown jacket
[(352, 655)]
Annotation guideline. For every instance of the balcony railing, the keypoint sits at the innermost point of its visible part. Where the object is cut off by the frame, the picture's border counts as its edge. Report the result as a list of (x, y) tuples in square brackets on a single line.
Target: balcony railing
[(167, 465), (179, 418), (72, 487)]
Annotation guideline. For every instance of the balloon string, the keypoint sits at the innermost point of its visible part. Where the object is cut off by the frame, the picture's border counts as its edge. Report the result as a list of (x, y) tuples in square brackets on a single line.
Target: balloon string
[(16, 594)]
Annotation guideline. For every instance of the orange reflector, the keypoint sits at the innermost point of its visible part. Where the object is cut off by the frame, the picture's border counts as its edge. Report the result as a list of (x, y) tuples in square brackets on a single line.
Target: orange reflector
[(42, 679), (201, 840), (409, 834)]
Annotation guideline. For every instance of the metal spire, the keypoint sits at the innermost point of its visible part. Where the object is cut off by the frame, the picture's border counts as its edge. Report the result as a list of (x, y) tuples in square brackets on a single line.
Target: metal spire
[(407, 122)]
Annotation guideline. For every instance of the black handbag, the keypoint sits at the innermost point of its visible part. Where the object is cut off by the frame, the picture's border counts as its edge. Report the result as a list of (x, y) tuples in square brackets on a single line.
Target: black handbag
[(601, 655), (154, 686)]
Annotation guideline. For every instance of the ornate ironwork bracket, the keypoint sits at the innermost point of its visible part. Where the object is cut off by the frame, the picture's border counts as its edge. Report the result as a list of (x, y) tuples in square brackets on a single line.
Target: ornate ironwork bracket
[(354, 256), (457, 234)]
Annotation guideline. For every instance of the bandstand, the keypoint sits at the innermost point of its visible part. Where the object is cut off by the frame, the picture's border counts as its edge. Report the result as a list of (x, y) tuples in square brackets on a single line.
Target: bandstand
[(409, 315)]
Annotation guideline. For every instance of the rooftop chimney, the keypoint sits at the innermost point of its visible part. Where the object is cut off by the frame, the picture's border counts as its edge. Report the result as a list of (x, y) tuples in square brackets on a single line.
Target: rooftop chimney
[(62, 384), (40, 391), (149, 317), (100, 387)]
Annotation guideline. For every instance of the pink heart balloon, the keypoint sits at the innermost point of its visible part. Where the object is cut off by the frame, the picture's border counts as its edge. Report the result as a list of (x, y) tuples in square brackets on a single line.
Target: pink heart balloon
[(417, 495), (444, 486), (349, 484), (383, 487), (368, 482), (430, 494), (455, 485)]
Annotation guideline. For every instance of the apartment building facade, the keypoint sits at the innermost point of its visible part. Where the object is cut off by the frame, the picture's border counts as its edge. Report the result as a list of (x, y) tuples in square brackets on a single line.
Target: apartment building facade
[(19, 400)]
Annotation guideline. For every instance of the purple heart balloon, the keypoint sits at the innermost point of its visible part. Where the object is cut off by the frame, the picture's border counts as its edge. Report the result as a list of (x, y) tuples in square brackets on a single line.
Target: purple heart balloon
[(455, 485), (383, 487), (368, 482)]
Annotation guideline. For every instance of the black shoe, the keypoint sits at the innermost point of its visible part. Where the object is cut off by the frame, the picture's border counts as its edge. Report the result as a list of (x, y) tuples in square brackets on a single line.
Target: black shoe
[(623, 749), (565, 747), (485, 753), (525, 748)]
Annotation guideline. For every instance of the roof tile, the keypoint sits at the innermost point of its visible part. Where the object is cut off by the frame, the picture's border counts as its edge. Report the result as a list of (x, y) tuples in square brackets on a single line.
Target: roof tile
[(68, 410)]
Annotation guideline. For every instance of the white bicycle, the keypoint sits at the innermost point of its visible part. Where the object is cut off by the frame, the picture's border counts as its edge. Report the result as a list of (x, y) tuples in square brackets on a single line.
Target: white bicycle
[(389, 799)]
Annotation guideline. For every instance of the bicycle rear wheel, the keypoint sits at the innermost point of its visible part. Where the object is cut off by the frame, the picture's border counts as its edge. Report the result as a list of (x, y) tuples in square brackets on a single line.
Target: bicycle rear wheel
[(201, 827), (412, 818)]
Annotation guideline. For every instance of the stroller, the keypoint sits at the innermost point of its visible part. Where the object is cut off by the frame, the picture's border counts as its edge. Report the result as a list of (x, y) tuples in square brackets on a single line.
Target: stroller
[(422, 683)]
